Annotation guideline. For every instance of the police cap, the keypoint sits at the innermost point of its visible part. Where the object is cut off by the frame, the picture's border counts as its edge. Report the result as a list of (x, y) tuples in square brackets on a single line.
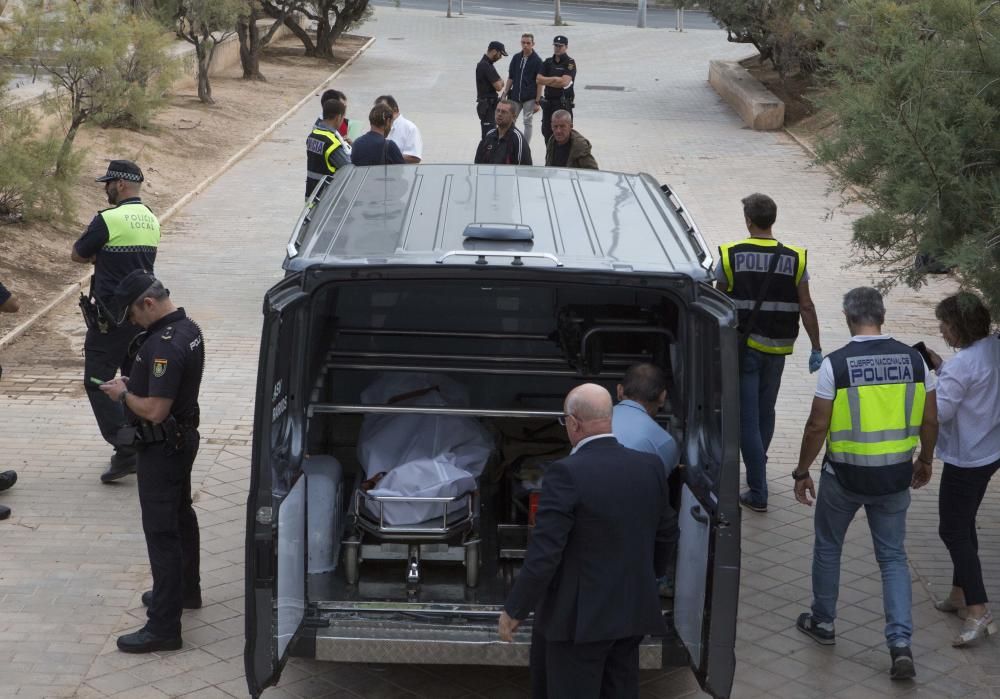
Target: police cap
[(129, 290), (560, 40), (497, 46), (122, 170)]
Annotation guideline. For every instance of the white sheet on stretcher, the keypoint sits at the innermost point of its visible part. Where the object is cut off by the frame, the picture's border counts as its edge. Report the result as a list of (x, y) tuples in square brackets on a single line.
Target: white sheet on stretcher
[(422, 455)]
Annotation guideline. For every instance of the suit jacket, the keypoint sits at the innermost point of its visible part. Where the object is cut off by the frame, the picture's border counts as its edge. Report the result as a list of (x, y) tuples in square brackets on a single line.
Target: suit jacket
[(602, 532)]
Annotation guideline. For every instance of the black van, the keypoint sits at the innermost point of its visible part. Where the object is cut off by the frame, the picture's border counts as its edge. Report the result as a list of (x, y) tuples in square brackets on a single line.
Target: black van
[(456, 305)]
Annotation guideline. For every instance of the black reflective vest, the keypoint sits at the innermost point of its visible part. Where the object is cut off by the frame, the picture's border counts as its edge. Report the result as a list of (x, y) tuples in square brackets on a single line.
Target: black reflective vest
[(745, 263), (876, 418), (325, 152)]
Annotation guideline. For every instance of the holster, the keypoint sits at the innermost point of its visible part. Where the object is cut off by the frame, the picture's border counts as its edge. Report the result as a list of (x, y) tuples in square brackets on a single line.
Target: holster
[(145, 433), (92, 316)]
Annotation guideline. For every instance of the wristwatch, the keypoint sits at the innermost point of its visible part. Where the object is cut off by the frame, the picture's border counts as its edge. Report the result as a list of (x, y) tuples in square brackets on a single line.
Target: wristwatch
[(800, 476), (121, 398)]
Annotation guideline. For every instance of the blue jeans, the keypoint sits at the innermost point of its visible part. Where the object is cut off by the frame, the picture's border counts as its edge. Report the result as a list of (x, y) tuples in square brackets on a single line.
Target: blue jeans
[(835, 508), (760, 379)]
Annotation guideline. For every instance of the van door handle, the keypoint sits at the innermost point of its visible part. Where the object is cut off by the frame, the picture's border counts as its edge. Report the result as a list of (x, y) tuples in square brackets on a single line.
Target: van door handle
[(698, 515)]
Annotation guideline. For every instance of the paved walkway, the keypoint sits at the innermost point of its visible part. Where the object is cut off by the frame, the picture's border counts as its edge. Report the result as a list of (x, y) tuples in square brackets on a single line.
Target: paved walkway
[(73, 561)]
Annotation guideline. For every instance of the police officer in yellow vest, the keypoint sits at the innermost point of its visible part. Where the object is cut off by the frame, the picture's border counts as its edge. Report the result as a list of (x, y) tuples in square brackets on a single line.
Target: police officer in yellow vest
[(874, 404), (119, 240), (746, 273), (325, 147)]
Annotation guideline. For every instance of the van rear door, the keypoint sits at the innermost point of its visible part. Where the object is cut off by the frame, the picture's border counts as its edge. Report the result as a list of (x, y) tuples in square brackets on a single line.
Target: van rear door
[(276, 553), (708, 557)]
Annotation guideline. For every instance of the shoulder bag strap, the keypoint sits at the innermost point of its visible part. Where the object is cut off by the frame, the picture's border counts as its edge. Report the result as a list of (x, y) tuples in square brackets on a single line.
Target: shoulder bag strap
[(748, 328)]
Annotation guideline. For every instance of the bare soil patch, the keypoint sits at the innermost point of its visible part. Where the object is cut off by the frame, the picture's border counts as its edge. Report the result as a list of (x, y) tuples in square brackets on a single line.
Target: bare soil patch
[(793, 90), (187, 142)]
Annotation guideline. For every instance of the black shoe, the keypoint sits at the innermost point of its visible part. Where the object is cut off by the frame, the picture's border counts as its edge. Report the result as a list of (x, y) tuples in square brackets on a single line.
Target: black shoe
[(807, 625), (7, 479), (122, 464), (189, 602), (4, 512), (747, 500), (142, 641), (902, 663)]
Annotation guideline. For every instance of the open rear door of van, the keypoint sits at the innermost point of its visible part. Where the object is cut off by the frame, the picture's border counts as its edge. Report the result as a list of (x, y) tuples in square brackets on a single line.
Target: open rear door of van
[(276, 553), (707, 580)]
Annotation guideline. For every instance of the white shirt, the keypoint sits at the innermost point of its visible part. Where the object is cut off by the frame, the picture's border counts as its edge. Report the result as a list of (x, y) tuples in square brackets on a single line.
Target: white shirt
[(591, 438), (968, 402), (826, 387), (406, 135)]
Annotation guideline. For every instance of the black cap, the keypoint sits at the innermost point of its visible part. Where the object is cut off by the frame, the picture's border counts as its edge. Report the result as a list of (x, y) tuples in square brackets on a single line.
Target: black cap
[(498, 46), (560, 39), (122, 170), (128, 291)]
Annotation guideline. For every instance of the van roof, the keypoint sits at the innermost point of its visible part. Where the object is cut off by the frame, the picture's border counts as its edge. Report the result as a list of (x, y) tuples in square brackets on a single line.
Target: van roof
[(419, 214)]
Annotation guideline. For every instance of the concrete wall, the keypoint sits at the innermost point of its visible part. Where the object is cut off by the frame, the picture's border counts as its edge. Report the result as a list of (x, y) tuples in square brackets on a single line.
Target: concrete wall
[(760, 109)]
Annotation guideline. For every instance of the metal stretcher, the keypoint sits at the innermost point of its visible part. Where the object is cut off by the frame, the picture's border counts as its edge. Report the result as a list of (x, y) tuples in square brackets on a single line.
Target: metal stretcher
[(369, 537)]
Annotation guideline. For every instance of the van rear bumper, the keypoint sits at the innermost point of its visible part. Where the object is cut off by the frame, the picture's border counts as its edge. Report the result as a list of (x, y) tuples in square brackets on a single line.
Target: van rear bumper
[(360, 641)]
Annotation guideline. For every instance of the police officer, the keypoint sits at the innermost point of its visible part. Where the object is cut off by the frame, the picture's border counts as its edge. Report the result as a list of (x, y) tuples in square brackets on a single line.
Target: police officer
[(117, 241), (768, 330), (488, 85), (160, 398), (325, 148), (874, 403), (557, 75)]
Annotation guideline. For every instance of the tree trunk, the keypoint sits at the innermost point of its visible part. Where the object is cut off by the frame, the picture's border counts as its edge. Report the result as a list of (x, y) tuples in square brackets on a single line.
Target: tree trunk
[(302, 35), (324, 39), (67, 144), (250, 46), (204, 49)]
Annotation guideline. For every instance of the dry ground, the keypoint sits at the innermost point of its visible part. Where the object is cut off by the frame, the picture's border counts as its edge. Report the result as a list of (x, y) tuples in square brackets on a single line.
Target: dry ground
[(187, 142)]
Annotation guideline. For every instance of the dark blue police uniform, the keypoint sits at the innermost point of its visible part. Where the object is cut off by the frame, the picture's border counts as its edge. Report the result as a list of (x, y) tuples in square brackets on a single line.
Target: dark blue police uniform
[(169, 364), (556, 98), (486, 94)]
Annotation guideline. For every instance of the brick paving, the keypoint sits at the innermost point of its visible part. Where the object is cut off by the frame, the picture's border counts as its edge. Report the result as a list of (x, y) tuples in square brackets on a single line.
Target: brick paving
[(73, 562)]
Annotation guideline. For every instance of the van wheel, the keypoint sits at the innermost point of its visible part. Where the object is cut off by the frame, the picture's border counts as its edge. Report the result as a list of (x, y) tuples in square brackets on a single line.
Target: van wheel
[(351, 564), (472, 565)]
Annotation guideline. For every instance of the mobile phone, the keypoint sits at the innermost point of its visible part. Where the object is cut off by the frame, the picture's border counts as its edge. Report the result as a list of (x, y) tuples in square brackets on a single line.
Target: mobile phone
[(922, 348), (95, 380)]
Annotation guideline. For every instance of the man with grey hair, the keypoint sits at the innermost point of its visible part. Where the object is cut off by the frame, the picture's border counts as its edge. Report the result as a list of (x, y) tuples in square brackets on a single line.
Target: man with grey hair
[(568, 147), (874, 404), (604, 520)]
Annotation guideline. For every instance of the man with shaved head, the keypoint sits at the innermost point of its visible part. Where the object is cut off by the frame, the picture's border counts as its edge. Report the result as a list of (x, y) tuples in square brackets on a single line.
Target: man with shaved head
[(601, 538)]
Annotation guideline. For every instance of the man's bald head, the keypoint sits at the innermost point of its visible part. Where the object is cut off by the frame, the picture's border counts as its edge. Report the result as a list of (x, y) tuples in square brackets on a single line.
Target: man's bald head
[(590, 407)]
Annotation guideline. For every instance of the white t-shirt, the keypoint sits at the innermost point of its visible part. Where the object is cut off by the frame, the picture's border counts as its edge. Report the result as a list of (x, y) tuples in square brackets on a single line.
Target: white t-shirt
[(406, 135), (826, 387)]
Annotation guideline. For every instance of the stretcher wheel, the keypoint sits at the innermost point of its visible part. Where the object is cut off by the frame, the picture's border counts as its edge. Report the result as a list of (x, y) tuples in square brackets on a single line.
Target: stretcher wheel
[(352, 571), (472, 565)]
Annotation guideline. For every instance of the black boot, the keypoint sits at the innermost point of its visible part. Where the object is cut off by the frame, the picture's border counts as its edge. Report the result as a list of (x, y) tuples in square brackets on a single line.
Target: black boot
[(7, 479), (4, 512), (142, 641), (122, 464)]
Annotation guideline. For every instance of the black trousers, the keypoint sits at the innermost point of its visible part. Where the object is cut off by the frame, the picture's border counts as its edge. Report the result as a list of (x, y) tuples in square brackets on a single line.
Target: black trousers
[(961, 492), (486, 111), (598, 670), (550, 107), (103, 356), (171, 528)]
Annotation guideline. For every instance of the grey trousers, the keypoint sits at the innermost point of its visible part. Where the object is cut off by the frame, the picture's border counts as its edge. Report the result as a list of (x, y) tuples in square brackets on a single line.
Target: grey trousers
[(528, 109)]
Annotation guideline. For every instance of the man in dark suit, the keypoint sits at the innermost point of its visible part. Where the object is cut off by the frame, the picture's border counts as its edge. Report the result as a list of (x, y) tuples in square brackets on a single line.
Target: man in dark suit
[(601, 537)]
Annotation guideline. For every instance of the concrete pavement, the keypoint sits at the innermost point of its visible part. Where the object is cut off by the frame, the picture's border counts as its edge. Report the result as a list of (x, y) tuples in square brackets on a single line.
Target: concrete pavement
[(74, 563)]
